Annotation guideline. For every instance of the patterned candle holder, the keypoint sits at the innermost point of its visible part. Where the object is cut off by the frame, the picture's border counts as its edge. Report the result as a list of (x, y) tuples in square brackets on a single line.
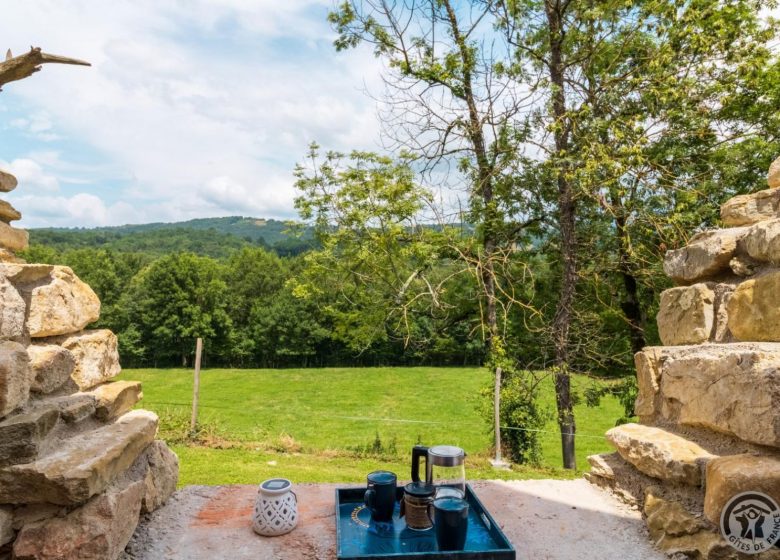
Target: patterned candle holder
[(276, 508)]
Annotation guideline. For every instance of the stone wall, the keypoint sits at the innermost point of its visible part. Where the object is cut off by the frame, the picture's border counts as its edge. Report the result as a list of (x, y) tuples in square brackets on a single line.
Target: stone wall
[(709, 399), (78, 466)]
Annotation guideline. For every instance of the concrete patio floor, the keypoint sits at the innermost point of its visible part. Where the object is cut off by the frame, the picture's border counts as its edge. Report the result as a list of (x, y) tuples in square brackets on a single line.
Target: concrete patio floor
[(544, 520)]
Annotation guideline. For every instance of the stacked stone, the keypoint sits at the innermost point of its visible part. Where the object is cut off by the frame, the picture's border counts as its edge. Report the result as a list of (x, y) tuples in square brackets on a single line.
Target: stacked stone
[(77, 465), (709, 399)]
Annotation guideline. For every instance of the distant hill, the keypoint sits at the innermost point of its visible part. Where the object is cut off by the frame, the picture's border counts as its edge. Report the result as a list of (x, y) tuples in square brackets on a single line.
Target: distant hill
[(215, 237)]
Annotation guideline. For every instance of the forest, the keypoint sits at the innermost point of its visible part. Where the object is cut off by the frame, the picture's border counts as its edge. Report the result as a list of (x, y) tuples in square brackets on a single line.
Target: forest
[(238, 296)]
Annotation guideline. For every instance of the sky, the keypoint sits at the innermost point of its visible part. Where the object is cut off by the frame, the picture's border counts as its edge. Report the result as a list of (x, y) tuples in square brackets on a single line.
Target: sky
[(191, 109)]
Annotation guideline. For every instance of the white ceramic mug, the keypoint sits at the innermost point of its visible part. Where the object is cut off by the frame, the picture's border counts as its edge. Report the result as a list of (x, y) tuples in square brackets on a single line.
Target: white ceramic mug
[(276, 508)]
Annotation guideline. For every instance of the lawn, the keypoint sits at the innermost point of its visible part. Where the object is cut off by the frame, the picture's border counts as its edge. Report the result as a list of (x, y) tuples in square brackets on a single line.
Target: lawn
[(337, 424)]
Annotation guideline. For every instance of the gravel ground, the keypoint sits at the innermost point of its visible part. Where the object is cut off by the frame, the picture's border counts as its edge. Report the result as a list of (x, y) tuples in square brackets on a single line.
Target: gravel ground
[(544, 520)]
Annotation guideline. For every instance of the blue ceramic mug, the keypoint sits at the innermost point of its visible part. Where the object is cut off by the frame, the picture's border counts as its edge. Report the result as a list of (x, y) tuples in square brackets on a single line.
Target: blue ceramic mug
[(450, 522), (380, 495)]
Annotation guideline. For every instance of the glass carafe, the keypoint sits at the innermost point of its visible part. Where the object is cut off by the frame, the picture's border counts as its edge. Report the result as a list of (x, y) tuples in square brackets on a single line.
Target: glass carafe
[(445, 468)]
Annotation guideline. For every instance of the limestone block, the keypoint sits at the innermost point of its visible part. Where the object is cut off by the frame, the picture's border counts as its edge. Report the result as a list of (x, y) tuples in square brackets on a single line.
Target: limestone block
[(12, 310), (22, 274), (729, 476), (52, 366), (161, 478), (12, 238), (64, 306), (754, 309), (730, 388), (82, 466), (7, 256), (744, 265), (762, 242), (32, 513), (648, 379), (659, 453), (75, 408), (773, 177), (686, 315), (707, 255), (7, 182), (59, 303), (15, 376), (669, 517), (21, 435), (116, 398), (678, 532), (721, 332), (600, 466), (748, 209), (8, 213), (99, 530), (96, 355)]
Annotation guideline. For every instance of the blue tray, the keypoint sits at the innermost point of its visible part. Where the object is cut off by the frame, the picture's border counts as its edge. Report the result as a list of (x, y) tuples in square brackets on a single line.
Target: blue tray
[(358, 538)]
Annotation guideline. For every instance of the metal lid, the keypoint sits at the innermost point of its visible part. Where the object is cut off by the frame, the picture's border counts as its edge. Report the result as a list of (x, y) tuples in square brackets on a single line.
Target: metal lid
[(274, 486), (420, 489), (446, 455)]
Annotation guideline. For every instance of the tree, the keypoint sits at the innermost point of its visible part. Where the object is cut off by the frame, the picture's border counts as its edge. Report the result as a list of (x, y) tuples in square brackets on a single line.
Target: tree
[(175, 300), (449, 107), (287, 331), (630, 95), (374, 256), (254, 277)]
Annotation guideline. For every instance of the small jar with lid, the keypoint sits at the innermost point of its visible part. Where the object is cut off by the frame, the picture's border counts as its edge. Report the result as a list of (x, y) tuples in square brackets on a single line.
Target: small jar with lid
[(418, 497)]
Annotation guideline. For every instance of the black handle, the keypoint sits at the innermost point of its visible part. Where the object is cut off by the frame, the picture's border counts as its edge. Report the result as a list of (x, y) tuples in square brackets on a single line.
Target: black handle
[(417, 452), (368, 499)]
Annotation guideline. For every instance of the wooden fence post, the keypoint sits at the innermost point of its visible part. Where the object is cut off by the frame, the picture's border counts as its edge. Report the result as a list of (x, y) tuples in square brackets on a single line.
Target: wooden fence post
[(498, 461), (196, 386)]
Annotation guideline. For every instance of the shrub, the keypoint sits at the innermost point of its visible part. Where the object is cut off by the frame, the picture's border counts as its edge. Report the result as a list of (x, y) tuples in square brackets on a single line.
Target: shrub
[(522, 416)]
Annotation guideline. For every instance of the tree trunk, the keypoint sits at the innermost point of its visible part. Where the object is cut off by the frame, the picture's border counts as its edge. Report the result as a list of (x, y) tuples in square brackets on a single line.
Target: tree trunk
[(631, 306), (562, 323), (567, 226), (484, 188), (632, 310)]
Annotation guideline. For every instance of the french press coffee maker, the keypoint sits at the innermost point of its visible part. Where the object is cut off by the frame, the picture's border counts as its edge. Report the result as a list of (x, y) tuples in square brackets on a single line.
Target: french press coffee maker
[(445, 468)]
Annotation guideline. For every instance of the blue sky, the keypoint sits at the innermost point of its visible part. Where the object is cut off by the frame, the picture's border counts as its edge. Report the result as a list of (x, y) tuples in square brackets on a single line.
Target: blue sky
[(194, 108)]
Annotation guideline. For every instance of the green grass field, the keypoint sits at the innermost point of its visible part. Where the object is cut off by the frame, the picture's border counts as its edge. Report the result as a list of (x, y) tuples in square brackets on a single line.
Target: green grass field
[(321, 425)]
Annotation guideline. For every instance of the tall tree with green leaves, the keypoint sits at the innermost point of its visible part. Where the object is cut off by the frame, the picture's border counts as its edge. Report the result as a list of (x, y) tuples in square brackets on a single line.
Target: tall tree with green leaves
[(450, 107), (254, 277), (374, 255), (175, 300), (630, 97)]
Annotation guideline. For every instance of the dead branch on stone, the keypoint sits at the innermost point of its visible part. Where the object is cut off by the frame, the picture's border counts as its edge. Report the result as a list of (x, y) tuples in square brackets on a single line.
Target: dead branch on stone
[(18, 68)]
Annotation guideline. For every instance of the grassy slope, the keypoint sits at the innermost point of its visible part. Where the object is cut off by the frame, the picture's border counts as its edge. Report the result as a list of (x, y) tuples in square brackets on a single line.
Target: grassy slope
[(306, 423)]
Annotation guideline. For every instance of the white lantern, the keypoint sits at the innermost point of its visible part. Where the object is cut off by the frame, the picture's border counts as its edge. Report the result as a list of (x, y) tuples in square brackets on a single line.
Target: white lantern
[(276, 508)]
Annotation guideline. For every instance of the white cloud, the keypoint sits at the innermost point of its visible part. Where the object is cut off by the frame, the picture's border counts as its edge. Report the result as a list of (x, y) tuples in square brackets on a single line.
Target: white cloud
[(216, 97), (39, 125), (231, 196), (31, 175), (82, 209)]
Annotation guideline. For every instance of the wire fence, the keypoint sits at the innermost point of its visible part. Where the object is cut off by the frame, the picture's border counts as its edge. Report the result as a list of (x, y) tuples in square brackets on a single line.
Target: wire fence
[(311, 415)]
